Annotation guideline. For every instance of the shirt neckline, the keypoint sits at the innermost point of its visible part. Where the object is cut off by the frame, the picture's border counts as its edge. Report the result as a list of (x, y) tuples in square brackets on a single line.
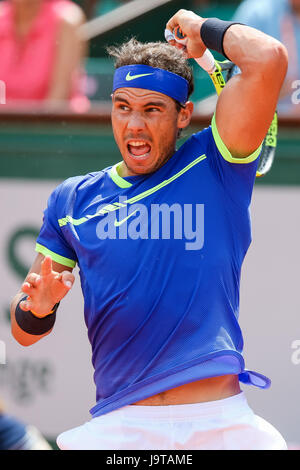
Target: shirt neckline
[(128, 181)]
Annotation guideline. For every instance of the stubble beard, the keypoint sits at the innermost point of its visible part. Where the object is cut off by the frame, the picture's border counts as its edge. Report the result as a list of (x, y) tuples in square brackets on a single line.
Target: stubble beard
[(166, 154)]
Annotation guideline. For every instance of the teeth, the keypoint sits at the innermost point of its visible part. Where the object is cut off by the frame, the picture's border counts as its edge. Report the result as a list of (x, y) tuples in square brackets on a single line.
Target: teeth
[(136, 143)]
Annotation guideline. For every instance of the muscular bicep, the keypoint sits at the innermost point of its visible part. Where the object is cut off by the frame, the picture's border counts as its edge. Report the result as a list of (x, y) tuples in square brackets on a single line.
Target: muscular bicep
[(247, 104), (244, 113)]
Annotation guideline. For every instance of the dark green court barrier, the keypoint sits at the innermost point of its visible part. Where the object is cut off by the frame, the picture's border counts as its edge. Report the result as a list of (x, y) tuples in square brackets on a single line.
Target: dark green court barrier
[(43, 146), (100, 75), (150, 26)]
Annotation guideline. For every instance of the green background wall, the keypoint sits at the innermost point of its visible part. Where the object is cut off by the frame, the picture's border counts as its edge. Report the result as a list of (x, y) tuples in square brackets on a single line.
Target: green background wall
[(58, 149)]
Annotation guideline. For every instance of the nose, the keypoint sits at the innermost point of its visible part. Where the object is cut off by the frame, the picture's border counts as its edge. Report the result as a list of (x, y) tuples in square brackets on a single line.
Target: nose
[(136, 121)]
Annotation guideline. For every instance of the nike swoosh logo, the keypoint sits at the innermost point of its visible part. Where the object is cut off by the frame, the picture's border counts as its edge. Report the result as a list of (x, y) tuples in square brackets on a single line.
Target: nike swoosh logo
[(68, 219), (117, 224), (133, 77)]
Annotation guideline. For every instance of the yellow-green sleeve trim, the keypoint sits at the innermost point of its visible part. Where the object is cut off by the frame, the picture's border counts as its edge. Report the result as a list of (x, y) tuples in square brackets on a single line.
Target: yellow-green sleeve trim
[(224, 150), (55, 257), (117, 178)]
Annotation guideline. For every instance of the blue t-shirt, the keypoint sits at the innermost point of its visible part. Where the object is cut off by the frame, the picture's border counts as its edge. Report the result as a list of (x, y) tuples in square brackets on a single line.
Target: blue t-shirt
[(12, 432), (160, 257)]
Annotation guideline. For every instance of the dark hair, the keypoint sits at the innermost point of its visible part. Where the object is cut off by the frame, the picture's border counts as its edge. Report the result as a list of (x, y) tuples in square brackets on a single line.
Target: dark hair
[(156, 54)]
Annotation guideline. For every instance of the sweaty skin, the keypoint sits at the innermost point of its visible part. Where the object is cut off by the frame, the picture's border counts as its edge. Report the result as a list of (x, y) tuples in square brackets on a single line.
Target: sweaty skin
[(247, 104), (214, 388), (145, 126), (150, 119)]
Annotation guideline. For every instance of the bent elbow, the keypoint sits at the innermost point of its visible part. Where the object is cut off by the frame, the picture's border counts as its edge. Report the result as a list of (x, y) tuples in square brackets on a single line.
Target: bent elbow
[(276, 59), (281, 57), (23, 343), (21, 337)]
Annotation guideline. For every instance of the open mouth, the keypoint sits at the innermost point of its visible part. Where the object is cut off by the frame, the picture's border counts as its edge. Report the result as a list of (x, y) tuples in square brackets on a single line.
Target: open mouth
[(138, 149)]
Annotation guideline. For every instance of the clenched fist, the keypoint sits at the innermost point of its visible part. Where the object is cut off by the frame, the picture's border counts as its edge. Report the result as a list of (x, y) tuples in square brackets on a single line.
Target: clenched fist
[(190, 25)]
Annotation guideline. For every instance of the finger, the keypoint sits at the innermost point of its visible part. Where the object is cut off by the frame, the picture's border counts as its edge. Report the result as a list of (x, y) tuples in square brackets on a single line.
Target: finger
[(33, 279), (171, 25), (46, 266), (180, 46), (27, 288), (172, 42), (57, 276), (68, 279), (175, 20), (25, 305)]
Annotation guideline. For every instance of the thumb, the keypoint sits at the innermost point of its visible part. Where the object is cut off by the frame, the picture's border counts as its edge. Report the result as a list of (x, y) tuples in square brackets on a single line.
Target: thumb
[(67, 279)]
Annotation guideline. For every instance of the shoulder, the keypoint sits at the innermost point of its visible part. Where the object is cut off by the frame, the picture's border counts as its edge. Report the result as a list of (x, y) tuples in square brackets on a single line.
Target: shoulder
[(70, 14), (83, 181), (201, 138), (5, 8), (71, 187), (194, 149), (197, 142)]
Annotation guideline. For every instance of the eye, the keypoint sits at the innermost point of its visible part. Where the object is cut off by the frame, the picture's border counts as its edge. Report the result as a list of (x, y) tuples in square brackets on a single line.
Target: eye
[(122, 106), (152, 110)]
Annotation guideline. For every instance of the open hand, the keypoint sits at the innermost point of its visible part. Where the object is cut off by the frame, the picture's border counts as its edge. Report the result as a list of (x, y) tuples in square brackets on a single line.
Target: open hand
[(46, 289)]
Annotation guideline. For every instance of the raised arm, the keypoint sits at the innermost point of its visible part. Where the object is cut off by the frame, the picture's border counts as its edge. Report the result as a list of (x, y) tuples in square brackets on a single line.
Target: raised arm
[(45, 285), (246, 106), (70, 53)]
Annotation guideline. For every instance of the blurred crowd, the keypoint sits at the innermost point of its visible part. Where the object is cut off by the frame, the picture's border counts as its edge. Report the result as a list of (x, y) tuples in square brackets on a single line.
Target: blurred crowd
[(16, 435), (280, 19), (42, 64), (43, 53)]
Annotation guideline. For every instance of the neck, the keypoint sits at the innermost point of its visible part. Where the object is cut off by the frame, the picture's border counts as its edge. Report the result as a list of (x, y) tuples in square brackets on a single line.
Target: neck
[(124, 171), (296, 9), (25, 13)]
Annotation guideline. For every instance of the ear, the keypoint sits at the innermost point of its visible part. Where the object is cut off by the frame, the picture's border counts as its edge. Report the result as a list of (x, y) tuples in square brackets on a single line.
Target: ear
[(185, 115)]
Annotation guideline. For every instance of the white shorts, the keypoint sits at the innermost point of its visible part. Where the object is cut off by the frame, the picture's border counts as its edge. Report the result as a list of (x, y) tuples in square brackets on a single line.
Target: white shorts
[(227, 424)]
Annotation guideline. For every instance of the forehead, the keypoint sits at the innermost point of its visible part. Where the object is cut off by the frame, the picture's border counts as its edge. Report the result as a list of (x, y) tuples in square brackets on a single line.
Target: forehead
[(141, 96)]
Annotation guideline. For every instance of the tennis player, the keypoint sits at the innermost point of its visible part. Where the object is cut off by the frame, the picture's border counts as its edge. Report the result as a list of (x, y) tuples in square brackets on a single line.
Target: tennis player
[(160, 239)]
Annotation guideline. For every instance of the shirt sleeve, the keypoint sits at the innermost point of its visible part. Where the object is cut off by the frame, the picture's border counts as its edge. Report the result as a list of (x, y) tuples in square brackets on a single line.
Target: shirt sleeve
[(237, 175), (51, 240)]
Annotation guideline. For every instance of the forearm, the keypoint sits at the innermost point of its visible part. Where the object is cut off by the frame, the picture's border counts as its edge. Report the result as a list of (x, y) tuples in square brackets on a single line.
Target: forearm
[(70, 54), (33, 309), (23, 338), (246, 106)]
